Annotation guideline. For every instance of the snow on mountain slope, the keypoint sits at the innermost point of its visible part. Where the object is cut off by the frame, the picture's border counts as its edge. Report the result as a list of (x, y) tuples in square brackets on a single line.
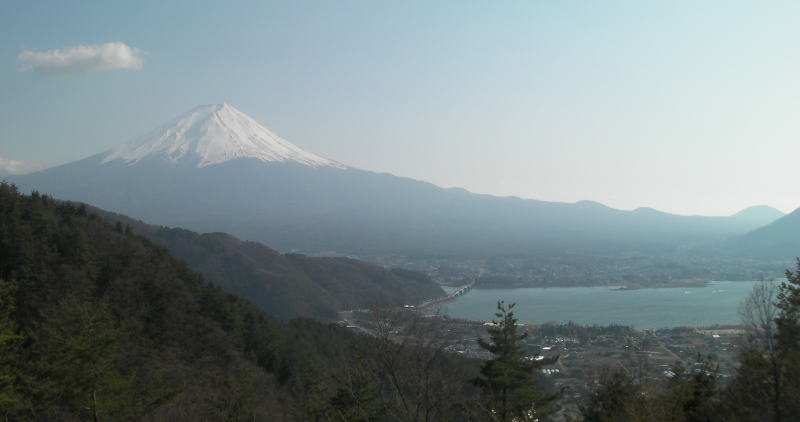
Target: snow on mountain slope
[(214, 134)]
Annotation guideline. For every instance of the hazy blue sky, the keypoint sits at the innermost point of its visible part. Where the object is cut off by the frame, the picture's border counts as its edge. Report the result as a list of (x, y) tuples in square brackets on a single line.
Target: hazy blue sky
[(689, 107)]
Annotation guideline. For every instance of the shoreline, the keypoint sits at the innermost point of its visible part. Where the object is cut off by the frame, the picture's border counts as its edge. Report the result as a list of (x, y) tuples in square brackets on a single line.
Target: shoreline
[(673, 284), (704, 329)]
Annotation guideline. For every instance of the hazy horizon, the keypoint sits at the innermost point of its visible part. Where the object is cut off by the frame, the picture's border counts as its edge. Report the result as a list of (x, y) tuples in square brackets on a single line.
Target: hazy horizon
[(683, 107)]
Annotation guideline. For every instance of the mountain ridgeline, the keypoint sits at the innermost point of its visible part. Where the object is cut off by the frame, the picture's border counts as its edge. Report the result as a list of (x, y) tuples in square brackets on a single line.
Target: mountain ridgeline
[(287, 285), (217, 170), (294, 285), (779, 239)]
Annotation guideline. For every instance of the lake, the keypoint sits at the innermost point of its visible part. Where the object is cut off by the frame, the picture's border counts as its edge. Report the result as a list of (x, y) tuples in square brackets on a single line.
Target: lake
[(715, 303)]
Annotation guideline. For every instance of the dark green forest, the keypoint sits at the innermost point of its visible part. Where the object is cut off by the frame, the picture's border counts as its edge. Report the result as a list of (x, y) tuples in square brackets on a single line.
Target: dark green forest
[(99, 323)]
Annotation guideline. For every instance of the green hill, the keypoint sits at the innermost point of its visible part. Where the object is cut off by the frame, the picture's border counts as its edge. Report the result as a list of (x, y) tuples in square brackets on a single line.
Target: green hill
[(98, 323), (287, 285)]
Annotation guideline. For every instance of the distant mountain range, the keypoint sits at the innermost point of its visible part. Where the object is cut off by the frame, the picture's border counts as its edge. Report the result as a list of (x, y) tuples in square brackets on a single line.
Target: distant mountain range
[(216, 169)]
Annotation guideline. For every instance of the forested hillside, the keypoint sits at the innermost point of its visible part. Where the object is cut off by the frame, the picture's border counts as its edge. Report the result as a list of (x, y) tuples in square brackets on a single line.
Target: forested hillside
[(287, 285), (294, 285), (97, 323)]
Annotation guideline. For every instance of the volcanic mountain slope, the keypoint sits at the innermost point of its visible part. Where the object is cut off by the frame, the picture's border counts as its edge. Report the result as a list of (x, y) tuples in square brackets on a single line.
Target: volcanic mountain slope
[(287, 285), (215, 169)]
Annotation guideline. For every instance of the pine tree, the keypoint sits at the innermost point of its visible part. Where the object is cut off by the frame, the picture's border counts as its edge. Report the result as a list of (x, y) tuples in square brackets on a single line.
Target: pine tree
[(507, 381)]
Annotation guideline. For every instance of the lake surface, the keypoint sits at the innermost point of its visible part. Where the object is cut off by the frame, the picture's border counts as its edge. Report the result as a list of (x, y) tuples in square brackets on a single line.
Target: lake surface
[(716, 303)]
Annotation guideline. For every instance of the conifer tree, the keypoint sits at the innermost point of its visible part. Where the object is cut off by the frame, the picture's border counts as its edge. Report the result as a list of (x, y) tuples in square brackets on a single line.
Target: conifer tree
[(507, 381)]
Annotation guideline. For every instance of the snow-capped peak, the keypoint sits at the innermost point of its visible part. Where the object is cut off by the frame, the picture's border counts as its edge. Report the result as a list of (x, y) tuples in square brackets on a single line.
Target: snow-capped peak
[(213, 134)]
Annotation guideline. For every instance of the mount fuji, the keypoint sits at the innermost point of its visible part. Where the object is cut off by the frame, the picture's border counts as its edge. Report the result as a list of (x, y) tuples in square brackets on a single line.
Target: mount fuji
[(213, 134), (216, 169)]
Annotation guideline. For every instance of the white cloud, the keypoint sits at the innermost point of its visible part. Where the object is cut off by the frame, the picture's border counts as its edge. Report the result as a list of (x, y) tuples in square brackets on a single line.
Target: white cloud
[(81, 59), (16, 167)]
